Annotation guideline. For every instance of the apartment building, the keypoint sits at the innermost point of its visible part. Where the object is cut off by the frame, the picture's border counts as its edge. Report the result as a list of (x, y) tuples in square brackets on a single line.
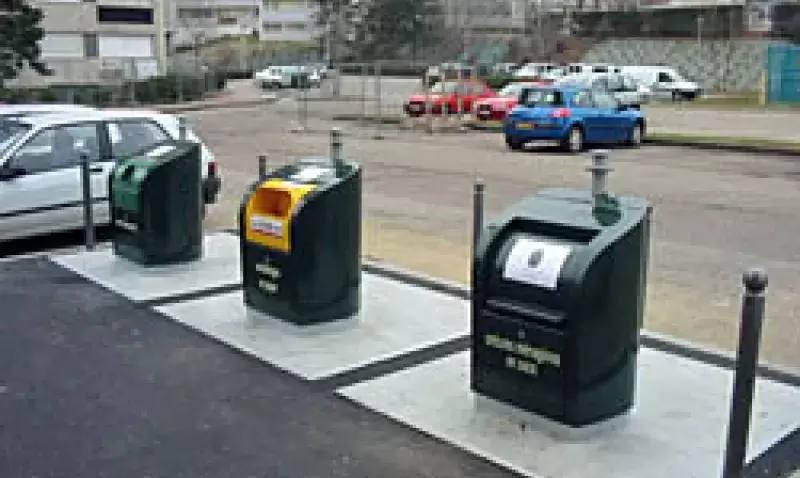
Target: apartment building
[(201, 20), (289, 20), (276, 20), (87, 41)]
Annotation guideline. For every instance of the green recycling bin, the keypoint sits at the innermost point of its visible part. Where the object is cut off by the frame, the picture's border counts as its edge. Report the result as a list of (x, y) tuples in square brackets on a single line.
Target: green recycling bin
[(300, 232), (559, 285), (156, 205)]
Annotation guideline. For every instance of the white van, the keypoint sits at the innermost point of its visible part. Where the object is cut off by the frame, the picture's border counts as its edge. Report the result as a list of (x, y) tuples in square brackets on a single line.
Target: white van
[(585, 68), (664, 81)]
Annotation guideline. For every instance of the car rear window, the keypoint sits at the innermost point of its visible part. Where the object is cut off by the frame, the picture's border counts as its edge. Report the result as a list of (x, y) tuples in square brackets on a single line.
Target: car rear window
[(541, 97)]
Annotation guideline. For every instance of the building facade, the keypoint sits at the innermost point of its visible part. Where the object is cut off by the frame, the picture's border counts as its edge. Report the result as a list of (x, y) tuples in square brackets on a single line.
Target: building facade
[(289, 20), (100, 40), (202, 20), (269, 20)]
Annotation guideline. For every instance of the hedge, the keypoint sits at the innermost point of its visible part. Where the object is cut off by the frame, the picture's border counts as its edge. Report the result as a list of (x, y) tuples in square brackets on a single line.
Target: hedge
[(170, 88)]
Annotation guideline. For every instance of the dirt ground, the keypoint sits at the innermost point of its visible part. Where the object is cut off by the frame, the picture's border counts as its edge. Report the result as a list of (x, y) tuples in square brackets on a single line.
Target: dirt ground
[(715, 214)]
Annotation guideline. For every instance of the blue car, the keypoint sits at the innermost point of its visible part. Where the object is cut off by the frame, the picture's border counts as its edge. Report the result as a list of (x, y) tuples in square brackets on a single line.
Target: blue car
[(574, 117)]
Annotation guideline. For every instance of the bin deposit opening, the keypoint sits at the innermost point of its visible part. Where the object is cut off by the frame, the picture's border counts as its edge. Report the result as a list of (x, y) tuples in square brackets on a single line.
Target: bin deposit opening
[(276, 203)]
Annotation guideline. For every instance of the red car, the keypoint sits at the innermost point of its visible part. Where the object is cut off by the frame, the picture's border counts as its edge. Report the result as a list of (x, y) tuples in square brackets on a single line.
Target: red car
[(493, 110), (444, 98)]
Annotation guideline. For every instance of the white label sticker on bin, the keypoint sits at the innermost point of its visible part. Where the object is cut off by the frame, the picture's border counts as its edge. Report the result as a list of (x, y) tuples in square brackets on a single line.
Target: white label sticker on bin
[(310, 173), (266, 225), (535, 262)]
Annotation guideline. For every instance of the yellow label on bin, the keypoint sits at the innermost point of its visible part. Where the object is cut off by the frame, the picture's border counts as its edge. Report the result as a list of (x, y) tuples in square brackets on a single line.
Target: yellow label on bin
[(269, 210)]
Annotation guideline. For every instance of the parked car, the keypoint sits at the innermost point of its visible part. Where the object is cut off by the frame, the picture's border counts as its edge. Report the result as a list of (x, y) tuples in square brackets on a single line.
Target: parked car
[(40, 189), (623, 87), (493, 110), (286, 77), (19, 109), (573, 117), (444, 98), (664, 82)]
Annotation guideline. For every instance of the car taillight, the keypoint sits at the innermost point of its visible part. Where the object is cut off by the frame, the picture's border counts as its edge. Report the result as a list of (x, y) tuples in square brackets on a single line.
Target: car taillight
[(212, 169), (560, 113)]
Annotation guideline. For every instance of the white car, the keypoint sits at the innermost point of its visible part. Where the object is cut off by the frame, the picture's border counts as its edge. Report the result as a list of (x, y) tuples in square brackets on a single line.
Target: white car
[(18, 110), (281, 76), (40, 155)]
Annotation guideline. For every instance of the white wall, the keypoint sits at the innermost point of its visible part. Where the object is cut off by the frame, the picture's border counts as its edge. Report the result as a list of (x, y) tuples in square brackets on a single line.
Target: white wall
[(111, 46), (62, 45)]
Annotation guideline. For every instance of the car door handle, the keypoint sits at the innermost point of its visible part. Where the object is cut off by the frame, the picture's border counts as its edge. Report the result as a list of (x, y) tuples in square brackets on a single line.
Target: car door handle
[(96, 169)]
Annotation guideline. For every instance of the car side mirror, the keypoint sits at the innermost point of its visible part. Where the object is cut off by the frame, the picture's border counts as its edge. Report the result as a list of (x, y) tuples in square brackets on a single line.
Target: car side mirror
[(9, 173)]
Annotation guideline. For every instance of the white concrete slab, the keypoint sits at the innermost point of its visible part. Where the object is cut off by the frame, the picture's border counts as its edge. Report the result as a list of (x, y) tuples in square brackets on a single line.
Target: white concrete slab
[(677, 429), (219, 266), (395, 318)]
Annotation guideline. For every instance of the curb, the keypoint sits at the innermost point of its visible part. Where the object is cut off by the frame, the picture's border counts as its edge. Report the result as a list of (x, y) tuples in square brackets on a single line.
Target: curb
[(700, 143), (719, 146)]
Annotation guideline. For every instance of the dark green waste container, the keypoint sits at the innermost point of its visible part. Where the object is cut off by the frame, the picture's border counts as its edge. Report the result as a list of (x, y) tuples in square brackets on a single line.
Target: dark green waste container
[(557, 308), (300, 231), (156, 205)]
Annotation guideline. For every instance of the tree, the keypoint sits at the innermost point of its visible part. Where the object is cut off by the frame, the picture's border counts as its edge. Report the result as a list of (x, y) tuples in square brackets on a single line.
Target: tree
[(387, 29), (20, 35)]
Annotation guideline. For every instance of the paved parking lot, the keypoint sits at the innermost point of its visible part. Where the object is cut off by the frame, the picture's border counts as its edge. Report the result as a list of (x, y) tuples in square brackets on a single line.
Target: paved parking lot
[(715, 213), (777, 125)]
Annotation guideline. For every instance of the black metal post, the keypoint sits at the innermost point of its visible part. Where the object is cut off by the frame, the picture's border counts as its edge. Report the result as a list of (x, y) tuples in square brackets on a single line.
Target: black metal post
[(755, 283), (477, 213), (336, 148), (262, 167), (88, 212)]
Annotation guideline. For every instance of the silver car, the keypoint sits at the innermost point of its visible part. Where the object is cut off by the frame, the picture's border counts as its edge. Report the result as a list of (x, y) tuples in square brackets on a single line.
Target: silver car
[(625, 89)]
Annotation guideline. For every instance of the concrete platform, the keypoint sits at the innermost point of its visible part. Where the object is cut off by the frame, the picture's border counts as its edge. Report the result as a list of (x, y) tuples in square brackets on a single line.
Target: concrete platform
[(677, 430), (219, 267), (385, 328), (114, 375)]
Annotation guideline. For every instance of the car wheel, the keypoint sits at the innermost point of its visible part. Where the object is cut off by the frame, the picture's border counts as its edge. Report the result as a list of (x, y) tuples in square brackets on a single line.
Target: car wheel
[(514, 144), (573, 141), (636, 135)]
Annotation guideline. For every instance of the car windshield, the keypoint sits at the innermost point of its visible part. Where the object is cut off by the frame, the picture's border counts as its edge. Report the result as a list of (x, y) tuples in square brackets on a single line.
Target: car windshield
[(10, 132), (512, 89), (542, 98), (444, 87)]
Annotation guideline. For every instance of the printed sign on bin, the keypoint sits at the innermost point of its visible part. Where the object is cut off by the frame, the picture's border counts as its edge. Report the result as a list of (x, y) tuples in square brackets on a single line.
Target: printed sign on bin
[(266, 225), (536, 263)]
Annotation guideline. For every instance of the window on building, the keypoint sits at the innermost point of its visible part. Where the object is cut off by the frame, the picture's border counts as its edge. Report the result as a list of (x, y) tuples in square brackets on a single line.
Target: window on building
[(62, 45), (295, 26), (139, 16), (273, 27)]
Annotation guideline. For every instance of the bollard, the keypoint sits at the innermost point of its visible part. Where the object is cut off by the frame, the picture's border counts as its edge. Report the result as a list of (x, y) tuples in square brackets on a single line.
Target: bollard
[(336, 147), (364, 78), (428, 110), (755, 283), (88, 211), (599, 169), (477, 213), (181, 127), (262, 167), (379, 113)]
